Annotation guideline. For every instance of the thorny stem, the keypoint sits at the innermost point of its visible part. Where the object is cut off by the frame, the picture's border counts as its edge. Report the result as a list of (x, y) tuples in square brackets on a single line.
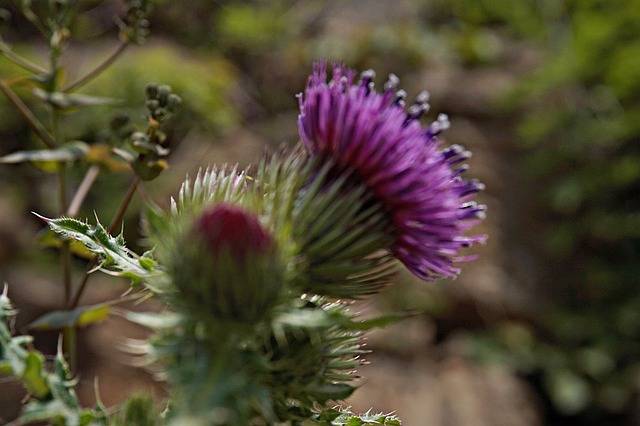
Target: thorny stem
[(19, 60), (99, 69), (26, 113), (114, 223)]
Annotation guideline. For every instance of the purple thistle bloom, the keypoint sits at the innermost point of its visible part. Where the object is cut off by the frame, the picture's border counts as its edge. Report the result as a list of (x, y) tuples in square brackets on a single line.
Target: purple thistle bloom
[(402, 163)]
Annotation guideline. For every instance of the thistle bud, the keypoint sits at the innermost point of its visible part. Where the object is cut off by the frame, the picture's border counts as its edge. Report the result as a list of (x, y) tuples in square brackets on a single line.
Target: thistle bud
[(227, 266), (229, 228)]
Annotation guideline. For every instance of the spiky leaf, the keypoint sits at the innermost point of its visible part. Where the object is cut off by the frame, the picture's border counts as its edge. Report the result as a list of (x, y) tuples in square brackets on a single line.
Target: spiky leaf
[(115, 257)]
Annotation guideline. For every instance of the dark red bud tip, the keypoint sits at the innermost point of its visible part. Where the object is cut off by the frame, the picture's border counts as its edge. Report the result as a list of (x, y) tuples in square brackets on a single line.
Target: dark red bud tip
[(228, 227)]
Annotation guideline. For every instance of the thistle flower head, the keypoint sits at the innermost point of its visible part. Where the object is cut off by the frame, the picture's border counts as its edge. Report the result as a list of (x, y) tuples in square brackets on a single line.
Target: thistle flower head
[(379, 140)]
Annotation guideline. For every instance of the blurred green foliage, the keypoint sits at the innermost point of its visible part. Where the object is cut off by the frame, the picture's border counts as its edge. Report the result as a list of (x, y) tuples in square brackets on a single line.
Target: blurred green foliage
[(580, 149)]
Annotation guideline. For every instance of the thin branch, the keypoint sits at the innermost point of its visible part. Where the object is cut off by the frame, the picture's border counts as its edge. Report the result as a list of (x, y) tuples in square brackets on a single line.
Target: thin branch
[(83, 190), (19, 60), (99, 69), (125, 205), (26, 113)]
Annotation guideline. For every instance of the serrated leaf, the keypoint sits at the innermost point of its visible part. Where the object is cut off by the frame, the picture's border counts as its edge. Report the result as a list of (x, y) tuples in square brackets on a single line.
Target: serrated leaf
[(79, 317), (49, 159), (116, 258)]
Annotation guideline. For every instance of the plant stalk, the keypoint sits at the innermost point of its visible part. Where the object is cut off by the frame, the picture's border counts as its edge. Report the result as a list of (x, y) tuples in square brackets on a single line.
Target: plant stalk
[(99, 69), (83, 190), (19, 60), (30, 118)]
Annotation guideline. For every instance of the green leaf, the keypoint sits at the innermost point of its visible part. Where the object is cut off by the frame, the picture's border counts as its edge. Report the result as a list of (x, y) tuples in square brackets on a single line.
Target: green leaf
[(62, 387), (147, 261), (49, 159), (116, 258), (33, 374), (49, 238), (71, 100), (79, 317)]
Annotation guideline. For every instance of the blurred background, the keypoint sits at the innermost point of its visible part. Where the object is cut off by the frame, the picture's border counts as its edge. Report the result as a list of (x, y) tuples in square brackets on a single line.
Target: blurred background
[(543, 329)]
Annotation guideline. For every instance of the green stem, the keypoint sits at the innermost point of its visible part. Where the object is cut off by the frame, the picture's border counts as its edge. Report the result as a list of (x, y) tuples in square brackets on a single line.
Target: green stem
[(114, 223), (99, 69), (19, 60), (69, 335), (26, 113)]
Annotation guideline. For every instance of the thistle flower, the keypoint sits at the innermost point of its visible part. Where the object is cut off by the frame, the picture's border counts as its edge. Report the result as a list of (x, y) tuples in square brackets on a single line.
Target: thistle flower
[(376, 138)]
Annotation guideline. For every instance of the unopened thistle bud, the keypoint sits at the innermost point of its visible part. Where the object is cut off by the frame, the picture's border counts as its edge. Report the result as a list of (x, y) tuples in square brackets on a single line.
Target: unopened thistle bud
[(227, 266)]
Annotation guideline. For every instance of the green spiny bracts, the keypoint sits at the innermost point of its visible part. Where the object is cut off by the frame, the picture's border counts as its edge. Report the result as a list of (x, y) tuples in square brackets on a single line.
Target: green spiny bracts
[(310, 358), (336, 236)]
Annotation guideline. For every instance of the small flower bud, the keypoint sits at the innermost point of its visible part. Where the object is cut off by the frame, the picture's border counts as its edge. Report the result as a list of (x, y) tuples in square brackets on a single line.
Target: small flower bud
[(231, 228), (119, 122), (174, 102), (163, 94), (227, 266), (152, 104), (151, 90)]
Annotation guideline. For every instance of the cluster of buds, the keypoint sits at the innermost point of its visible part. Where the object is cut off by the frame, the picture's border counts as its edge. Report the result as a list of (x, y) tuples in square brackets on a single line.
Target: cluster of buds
[(135, 27), (151, 145)]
